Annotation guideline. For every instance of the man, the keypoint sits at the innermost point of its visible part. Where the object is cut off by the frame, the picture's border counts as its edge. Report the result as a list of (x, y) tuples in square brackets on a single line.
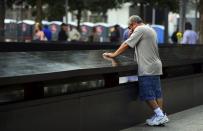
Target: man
[(144, 40), (189, 36), (115, 34), (174, 37), (126, 34), (62, 36), (74, 35)]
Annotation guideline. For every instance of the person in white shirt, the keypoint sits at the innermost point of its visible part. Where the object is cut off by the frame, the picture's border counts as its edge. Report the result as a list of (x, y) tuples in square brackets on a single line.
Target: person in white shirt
[(74, 34), (189, 36)]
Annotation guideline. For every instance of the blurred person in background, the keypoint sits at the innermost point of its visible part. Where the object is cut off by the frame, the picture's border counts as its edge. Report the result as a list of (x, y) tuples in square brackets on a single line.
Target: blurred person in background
[(47, 32), (127, 34), (94, 37), (115, 34), (38, 33), (174, 36), (189, 36), (74, 34), (62, 36)]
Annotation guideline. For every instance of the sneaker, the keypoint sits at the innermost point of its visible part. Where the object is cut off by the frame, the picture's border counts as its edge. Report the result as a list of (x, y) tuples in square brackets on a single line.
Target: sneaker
[(157, 120), (167, 119), (151, 118)]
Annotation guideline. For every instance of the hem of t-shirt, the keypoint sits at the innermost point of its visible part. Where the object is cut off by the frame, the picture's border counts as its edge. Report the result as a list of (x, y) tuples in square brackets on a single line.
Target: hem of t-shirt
[(150, 74)]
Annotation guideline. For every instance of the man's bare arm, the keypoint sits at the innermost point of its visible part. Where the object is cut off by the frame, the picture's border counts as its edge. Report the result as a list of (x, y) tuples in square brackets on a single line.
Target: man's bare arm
[(120, 50)]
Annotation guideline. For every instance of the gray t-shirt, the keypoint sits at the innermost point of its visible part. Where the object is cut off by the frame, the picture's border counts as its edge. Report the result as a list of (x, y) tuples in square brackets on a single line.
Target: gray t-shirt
[(144, 40)]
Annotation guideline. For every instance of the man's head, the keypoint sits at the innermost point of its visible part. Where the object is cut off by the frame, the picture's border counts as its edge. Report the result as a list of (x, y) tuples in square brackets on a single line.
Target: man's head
[(116, 26), (188, 26), (134, 21), (64, 27)]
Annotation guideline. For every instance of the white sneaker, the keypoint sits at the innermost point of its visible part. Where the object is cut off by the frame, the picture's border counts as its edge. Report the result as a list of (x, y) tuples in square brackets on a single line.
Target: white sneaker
[(157, 120), (151, 118), (167, 119)]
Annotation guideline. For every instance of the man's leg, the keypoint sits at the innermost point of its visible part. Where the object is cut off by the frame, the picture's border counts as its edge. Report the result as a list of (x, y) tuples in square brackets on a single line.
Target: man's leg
[(150, 91), (153, 104), (159, 117), (160, 102), (155, 107)]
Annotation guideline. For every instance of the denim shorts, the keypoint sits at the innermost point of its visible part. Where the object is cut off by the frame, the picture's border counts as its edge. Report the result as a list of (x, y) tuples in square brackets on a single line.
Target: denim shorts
[(149, 87)]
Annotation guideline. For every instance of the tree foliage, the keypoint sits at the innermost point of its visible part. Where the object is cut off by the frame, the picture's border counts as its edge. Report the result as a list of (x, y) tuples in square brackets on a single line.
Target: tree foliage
[(56, 10), (172, 5), (102, 6)]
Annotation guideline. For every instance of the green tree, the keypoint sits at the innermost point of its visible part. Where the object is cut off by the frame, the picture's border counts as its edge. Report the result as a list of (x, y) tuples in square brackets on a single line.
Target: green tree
[(171, 5), (79, 6), (96, 6), (38, 12), (56, 10), (102, 6), (165, 5)]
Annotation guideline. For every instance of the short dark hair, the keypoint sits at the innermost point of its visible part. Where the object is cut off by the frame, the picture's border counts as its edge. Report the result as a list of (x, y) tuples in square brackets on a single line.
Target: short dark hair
[(63, 24), (46, 26), (188, 26), (116, 26)]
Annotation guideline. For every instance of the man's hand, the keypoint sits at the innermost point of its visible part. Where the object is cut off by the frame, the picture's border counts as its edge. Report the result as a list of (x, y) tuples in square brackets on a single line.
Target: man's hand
[(114, 63), (120, 50), (111, 55)]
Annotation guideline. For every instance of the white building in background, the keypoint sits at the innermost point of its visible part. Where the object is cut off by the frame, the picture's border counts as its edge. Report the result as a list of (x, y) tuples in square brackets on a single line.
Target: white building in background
[(119, 16)]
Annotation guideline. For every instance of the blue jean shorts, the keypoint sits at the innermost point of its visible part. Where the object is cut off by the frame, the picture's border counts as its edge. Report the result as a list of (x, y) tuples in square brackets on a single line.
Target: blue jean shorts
[(149, 87)]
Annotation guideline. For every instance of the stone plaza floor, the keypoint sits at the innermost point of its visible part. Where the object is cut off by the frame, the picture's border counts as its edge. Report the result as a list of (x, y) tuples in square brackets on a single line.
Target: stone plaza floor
[(188, 120)]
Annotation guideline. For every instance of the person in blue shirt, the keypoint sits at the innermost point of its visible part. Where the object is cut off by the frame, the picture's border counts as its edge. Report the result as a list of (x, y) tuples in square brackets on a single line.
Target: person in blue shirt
[(47, 33), (126, 34)]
